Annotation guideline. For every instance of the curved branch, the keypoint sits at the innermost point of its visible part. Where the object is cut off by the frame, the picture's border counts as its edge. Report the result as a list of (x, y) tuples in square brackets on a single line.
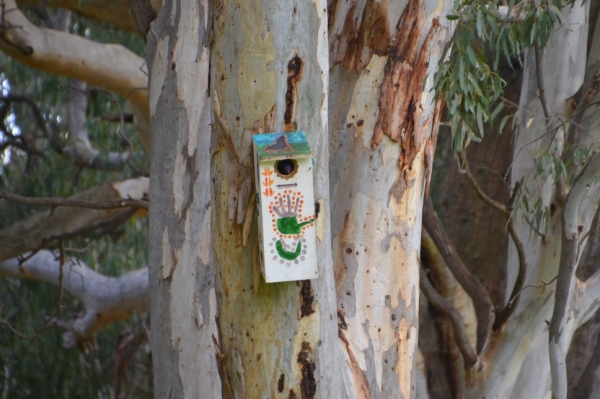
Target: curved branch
[(56, 202), (444, 307), (32, 232), (484, 308), (111, 66), (107, 299), (471, 179), (81, 151), (505, 313), (112, 12)]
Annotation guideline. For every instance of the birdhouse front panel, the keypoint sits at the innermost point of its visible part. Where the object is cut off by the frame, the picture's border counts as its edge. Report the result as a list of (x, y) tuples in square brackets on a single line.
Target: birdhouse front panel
[(284, 186)]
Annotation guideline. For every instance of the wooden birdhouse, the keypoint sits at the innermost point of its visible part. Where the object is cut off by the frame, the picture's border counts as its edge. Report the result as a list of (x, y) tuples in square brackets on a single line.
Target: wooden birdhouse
[(286, 206)]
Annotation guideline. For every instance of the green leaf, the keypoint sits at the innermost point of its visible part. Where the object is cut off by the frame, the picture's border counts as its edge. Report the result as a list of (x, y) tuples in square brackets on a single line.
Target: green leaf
[(480, 31), (453, 106), (452, 17), (461, 75), (471, 55), (559, 14), (499, 108), (480, 120), (503, 122)]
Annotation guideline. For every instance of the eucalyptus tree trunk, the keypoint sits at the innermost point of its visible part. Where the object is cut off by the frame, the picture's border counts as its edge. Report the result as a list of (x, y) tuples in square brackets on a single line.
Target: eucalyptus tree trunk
[(182, 300), (383, 130), (269, 73), (557, 84)]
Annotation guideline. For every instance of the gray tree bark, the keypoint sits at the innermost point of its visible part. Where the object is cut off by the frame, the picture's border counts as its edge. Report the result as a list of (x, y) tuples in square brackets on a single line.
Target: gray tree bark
[(182, 301)]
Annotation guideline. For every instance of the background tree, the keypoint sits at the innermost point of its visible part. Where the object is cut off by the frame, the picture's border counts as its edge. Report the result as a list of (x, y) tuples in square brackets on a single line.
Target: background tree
[(502, 295)]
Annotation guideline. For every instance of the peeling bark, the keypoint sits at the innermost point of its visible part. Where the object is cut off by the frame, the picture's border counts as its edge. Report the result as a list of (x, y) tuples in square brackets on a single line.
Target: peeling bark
[(269, 73), (186, 355), (378, 190)]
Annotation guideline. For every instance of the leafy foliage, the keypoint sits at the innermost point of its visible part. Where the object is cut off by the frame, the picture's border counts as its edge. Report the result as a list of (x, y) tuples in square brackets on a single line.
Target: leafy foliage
[(468, 78)]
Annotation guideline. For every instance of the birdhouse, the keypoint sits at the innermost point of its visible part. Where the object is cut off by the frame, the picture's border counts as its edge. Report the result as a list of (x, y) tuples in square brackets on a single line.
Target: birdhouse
[(286, 206)]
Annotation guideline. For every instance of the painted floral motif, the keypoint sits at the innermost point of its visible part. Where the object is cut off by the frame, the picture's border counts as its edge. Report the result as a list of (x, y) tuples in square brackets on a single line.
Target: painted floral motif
[(289, 225), (267, 182)]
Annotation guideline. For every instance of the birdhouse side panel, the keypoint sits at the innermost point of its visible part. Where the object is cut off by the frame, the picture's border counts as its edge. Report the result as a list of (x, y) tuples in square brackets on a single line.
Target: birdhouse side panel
[(287, 212)]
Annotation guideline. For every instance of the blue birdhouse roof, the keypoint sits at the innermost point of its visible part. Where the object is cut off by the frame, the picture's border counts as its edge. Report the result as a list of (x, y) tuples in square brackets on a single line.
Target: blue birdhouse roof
[(270, 146)]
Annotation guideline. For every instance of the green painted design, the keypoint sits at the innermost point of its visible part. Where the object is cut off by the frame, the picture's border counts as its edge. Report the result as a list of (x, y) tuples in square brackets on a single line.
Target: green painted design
[(290, 225), (288, 254)]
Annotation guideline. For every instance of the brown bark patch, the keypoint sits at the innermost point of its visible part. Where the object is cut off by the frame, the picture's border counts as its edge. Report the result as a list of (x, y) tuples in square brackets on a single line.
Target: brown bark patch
[(400, 94), (281, 383), (295, 69), (292, 394), (344, 44), (307, 299), (308, 383), (373, 34), (270, 119), (355, 44)]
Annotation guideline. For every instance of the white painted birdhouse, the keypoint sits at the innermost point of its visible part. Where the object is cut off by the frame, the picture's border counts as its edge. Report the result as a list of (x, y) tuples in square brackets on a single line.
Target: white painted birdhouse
[(286, 206)]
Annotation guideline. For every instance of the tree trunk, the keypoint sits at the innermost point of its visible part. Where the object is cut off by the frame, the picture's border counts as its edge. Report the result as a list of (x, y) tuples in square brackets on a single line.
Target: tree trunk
[(383, 126), (516, 361), (182, 300), (269, 73)]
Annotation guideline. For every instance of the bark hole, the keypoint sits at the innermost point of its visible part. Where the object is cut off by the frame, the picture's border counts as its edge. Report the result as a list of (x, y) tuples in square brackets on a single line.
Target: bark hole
[(308, 384), (281, 382), (295, 68), (342, 325), (306, 299)]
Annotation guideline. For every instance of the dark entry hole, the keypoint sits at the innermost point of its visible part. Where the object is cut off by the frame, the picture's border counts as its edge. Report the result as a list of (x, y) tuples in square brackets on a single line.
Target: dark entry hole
[(286, 168)]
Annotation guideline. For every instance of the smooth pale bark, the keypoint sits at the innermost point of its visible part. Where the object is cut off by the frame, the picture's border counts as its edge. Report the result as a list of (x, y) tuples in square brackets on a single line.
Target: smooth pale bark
[(110, 66), (383, 126), (182, 302), (106, 299), (517, 362), (270, 73), (29, 234)]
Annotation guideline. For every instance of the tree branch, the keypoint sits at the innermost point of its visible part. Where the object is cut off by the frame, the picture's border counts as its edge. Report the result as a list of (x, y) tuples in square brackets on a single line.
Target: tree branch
[(107, 299), (104, 65), (541, 83), (112, 12), (505, 313), (444, 307), (30, 233), (484, 308), (56, 202), (566, 271), (143, 15), (81, 151)]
